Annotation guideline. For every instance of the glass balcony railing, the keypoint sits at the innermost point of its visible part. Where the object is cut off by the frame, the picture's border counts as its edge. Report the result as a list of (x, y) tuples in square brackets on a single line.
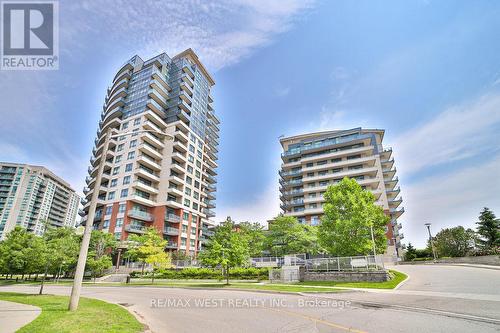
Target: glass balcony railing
[(135, 213), (169, 217), (325, 143)]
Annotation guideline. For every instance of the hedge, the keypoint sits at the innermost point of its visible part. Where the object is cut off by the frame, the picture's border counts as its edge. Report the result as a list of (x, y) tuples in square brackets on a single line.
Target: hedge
[(238, 273)]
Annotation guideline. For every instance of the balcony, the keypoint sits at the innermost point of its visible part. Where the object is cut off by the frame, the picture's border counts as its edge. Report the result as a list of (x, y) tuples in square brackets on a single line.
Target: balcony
[(180, 146), (187, 69), (140, 215), (293, 182), (290, 173), (171, 245), (161, 78), (171, 231), (181, 136), (176, 179), (149, 162), (208, 212), (152, 140), (211, 188), (396, 213), (175, 203), (172, 218), (149, 149), (154, 106), (144, 186), (135, 229), (181, 158), (143, 201), (146, 174), (151, 126), (326, 143)]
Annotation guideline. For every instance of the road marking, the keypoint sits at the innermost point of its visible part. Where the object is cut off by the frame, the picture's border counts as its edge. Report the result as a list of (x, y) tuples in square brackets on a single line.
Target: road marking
[(318, 320)]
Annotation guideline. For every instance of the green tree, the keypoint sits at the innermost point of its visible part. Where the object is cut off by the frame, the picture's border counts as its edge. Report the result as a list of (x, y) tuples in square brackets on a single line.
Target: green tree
[(152, 249), (63, 246), (287, 236), (253, 233), (101, 245), (411, 252), (226, 248), (454, 242), (488, 229), (15, 251), (349, 212)]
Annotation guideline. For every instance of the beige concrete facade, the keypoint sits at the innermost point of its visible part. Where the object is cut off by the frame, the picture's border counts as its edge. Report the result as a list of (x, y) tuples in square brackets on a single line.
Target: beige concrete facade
[(160, 158), (32, 196), (312, 162)]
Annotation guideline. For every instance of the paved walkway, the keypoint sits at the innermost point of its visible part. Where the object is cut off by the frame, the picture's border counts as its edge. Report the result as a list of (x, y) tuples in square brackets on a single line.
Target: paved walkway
[(13, 316)]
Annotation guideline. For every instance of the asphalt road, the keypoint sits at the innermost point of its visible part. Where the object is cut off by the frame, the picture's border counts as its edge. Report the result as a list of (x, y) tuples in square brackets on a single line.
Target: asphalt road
[(197, 310)]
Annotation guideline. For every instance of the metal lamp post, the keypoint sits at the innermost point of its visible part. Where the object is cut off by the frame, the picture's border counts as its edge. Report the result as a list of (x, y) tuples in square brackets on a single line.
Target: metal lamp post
[(428, 225), (84, 248)]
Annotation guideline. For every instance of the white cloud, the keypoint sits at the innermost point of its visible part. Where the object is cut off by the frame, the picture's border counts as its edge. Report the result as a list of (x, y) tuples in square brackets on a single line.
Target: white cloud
[(222, 32), (282, 91), (460, 132), (449, 200)]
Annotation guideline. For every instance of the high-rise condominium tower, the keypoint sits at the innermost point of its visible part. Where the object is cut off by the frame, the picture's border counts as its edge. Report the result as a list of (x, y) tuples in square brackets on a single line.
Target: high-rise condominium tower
[(33, 197), (156, 152), (313, 161)]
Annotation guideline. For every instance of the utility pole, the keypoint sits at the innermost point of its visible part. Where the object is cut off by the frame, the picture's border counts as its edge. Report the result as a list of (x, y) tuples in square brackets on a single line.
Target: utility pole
[(428, 225), (84, 248)]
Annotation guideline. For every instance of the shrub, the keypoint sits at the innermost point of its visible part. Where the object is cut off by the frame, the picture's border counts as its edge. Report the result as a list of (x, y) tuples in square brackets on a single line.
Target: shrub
[(238, 273)]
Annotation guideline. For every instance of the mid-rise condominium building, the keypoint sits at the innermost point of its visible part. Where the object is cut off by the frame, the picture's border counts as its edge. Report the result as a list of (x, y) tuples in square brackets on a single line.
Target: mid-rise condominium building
[(33, 197), (312, 162), (156, 152)]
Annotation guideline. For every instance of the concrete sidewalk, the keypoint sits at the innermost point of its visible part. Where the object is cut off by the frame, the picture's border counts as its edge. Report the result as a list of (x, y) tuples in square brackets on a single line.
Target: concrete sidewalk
[(13, 316)]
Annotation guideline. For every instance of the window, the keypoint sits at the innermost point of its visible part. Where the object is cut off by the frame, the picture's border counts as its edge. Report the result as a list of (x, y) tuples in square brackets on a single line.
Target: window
[(187, 190), (128, 167), (118, 158), (121, 208), (191, 148), (195, 205), (111, 195), (121, 138), (310, 174), (113, 182), (198, 164), (353, 157), (322, 173), (135, 132), (323, 183), (354, 167), (308, 165), (125, 125), (119, 221), (116, 170), (105, 225), (199, 153), (131, 155), (337, 170), (124, 193), (314, 220), (336, 160), (187, 203), (184, 228), (137, 121), (185, 216), (118, 235), (190, 169), (196, 195), (126, 180), (109, 209), (196, 184), (133, 143), (322, 162), (191, 158), (120, 147), (189, 180)]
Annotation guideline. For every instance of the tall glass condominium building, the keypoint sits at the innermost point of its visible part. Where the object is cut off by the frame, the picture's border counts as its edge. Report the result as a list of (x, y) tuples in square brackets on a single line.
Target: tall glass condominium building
[(34, 198), (156, 152), (312, 162)]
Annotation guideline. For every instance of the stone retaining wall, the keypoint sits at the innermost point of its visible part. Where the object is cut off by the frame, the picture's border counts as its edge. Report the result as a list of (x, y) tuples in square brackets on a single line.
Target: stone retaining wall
[(375, 276), (479, 260)]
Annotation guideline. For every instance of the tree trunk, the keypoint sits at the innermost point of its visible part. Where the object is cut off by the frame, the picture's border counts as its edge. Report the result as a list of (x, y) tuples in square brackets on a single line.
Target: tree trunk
[(153, 278), (142, 271), (227, 275)]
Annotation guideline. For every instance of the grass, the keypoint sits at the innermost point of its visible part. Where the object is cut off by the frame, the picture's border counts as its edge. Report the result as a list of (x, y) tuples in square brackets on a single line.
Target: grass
[(397, 278), (92, 315)]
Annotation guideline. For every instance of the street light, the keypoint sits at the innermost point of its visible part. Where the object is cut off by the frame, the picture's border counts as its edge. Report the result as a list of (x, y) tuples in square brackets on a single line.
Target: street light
[(84, 248), (428, 225)]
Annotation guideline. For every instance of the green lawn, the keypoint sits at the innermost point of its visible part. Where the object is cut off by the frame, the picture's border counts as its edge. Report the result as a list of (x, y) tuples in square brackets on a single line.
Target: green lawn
[(92, 315), (397, 277)]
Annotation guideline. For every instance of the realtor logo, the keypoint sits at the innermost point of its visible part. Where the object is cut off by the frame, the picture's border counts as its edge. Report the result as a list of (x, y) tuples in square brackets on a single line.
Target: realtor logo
[(29, 35)]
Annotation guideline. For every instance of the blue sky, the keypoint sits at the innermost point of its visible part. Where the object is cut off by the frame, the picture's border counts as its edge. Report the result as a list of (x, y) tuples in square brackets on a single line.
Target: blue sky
[(426, 71)]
